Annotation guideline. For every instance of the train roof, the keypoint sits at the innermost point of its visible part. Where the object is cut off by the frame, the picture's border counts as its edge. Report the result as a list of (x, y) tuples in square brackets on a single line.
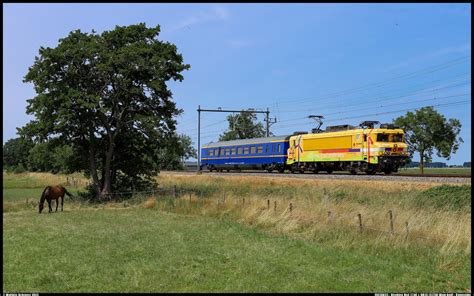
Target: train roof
[(247, 141)]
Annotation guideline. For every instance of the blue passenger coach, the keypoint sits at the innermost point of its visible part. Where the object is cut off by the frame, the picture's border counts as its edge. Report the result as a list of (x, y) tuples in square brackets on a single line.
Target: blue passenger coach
[(259, 153)]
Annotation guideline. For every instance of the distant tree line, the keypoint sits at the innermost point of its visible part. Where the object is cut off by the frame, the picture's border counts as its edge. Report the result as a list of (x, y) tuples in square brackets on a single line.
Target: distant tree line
[(21, 154)]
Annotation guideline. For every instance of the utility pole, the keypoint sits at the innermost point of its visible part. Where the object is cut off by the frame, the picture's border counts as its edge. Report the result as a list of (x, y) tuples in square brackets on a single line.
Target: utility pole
[(269, 121), (199, 139), (199, 110)]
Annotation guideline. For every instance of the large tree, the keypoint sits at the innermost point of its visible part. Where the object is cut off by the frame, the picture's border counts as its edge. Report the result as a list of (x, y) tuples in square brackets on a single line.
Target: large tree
[(426, 130), (243, 126), (94, 90)]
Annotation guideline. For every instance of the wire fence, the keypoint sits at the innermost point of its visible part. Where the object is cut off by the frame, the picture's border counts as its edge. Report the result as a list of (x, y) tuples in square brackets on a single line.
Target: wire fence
[(359, 224)]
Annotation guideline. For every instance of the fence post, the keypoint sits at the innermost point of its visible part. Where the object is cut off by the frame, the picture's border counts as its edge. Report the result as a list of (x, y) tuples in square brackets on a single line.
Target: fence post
[(275, 206), (329, 217), (268, 204), (291, 207), (391, 221), (406, 227), (243, 200), (360, 222)]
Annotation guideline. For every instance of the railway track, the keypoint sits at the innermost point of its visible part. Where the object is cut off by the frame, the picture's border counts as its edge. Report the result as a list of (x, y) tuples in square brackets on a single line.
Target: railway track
[(433, 178)]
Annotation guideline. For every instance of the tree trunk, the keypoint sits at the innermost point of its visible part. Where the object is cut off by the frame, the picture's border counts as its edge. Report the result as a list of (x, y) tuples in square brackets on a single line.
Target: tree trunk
[(105, 193), (421, 162), (93, 167)]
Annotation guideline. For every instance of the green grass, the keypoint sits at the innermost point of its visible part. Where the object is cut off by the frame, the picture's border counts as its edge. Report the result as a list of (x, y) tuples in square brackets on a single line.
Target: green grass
[(446, 197), (180, 246), (439, 171), (144, 250)]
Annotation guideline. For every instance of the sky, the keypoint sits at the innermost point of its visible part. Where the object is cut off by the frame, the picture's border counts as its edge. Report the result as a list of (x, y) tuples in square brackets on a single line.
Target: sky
[(346, 62)]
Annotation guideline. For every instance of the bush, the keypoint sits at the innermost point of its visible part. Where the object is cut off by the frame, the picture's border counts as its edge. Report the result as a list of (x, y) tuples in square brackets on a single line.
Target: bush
[(19, 169)]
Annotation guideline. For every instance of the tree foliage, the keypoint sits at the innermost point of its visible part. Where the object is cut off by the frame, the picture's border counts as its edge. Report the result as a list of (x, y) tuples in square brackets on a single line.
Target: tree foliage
[(106, 95), (243, 126), (15, 153), (426, 130)]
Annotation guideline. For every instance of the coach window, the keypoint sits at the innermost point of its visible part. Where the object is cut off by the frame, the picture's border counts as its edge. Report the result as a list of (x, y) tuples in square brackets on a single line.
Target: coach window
[(253, 149), (266, 149), (246, 150), (279, 148), (216, 152), (259, 149), (239, 150), (211, 152), (234, 151), (227, 151)]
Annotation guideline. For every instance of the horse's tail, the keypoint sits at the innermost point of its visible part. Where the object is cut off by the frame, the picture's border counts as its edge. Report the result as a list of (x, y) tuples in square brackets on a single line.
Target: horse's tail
[(67, 192)]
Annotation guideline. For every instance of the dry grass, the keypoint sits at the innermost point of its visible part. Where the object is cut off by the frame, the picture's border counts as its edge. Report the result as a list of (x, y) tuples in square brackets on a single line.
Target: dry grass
[(313, 199)]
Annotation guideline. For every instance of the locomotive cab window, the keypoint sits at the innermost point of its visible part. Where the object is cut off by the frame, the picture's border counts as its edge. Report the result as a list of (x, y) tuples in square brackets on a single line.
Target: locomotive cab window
[(382, 138), (397, 137)]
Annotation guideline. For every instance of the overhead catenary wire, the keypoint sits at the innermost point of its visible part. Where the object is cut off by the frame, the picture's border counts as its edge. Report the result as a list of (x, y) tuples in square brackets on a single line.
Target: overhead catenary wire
[(425, 71), (380, 106), (377, 113)]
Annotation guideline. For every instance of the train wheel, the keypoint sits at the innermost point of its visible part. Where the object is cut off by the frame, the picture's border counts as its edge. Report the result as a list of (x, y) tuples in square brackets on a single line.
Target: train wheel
[(329, 171), (353, 172), (315, 171), (281, 170), (387, 171), (370, 172), (269, 170)]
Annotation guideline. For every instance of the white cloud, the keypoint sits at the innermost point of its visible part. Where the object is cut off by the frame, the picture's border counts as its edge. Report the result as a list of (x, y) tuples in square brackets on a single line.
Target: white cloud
[(217, 13), (238, 43)]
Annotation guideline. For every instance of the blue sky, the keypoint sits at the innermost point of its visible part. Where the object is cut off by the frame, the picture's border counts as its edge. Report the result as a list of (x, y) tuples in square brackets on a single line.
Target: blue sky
[(347, 62)]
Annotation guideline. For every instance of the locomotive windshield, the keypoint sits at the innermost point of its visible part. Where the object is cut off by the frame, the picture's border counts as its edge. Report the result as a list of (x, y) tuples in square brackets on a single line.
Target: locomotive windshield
[(389, 137)]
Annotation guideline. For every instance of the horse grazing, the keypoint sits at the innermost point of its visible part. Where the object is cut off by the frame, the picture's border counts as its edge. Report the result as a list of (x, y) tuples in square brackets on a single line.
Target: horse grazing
[(53, 192)]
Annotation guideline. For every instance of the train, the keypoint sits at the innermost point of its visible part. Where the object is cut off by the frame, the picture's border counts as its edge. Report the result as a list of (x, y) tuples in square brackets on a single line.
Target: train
[(363, 148)]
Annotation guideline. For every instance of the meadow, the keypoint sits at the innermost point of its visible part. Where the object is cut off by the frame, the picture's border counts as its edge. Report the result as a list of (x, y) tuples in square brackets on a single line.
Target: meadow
[(224, 234), (436, 171)]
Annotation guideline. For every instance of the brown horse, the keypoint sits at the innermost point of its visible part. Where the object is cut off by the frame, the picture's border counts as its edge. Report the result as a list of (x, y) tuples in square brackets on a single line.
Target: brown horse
[(53, 192)]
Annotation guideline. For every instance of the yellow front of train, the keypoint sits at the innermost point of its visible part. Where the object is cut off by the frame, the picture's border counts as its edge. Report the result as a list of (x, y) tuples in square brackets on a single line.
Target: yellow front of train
[(386, 148)]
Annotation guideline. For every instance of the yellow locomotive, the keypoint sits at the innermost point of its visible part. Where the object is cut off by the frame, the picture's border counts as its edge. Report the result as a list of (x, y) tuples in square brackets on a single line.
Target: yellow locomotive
[(349, 148)]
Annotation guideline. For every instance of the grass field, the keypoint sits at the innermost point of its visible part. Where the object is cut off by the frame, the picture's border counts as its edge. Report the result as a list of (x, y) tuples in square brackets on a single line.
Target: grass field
[(437, 171), (209, 241)]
